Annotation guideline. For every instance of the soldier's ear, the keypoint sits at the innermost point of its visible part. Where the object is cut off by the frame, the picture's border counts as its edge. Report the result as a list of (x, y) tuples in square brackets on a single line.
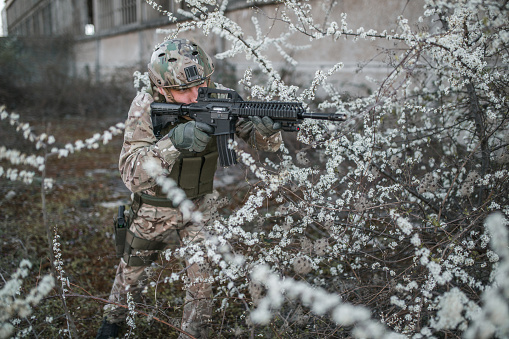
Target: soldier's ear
[(160, 90)]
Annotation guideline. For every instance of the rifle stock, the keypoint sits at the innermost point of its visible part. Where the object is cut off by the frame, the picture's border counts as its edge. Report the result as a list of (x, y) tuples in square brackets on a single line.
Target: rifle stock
[(222, 108)]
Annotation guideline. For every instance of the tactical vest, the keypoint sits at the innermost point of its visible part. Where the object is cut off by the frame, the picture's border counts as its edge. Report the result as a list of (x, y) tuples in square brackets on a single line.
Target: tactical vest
[(194, 172)]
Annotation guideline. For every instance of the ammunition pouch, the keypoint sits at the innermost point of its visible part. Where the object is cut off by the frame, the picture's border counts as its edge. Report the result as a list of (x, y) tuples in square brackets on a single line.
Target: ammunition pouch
[(195, 174)]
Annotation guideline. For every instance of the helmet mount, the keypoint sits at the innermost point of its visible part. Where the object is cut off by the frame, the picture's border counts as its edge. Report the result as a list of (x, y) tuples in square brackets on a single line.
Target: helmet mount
[(192, 73)]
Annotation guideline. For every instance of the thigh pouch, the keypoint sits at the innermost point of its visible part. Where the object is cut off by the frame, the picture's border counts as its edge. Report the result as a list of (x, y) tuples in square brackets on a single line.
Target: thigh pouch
[(134, 243), (127, 243)]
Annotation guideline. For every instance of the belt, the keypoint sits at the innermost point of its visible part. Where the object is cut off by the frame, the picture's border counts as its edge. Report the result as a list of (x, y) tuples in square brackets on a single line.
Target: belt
[(142, 198)]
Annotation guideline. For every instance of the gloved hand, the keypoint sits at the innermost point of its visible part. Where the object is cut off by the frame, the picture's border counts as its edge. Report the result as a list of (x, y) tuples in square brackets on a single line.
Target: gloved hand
[(192, 136), (266, 126)]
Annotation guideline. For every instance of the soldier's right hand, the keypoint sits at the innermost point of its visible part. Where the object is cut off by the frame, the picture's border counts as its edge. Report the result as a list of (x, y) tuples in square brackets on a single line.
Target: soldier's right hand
[(192, 136)]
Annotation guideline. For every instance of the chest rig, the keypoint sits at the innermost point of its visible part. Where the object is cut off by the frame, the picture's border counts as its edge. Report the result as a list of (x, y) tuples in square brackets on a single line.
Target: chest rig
[(194, 172)]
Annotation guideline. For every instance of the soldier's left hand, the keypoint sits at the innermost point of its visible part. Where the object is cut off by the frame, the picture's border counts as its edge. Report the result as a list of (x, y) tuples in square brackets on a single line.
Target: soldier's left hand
[(265, 126)]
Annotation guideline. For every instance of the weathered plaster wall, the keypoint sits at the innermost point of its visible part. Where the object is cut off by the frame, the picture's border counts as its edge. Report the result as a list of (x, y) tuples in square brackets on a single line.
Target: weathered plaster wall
[(101, 57)]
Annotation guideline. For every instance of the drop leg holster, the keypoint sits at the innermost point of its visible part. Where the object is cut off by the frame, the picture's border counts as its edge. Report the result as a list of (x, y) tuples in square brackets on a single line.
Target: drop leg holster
[(127, 243)]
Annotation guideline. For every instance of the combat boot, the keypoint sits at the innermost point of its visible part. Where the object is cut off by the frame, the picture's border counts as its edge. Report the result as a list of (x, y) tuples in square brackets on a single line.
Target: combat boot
[(108, 330)]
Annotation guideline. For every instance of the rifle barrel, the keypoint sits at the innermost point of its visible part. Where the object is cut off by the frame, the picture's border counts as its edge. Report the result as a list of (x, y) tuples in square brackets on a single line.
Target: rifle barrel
[(324, 116)]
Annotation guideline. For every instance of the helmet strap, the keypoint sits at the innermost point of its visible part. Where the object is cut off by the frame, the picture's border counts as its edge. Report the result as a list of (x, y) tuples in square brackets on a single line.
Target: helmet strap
[(167, 94)]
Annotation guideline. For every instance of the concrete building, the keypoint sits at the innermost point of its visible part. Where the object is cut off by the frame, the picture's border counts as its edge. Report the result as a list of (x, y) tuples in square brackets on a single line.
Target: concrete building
[(115, 36), (43, 17)]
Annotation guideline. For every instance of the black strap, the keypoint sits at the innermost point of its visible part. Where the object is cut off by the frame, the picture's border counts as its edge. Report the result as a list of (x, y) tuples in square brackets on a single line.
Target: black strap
[(133, 242), (142, 198), (133, 260), (138, 243)]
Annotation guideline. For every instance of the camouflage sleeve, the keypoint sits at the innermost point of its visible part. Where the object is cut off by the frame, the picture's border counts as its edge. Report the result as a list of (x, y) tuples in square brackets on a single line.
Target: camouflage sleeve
[(246, 131), (140, 146)]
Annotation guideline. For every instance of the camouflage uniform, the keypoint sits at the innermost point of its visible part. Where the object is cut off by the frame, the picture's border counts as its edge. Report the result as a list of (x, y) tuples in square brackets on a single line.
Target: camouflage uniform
[(161, 224)]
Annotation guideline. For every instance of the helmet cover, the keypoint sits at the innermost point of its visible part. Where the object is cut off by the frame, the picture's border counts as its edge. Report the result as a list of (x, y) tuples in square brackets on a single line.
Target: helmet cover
[(179, 63)]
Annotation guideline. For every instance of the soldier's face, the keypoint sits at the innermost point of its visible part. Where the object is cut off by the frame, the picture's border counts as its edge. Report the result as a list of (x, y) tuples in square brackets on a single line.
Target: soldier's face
[(186, 96)]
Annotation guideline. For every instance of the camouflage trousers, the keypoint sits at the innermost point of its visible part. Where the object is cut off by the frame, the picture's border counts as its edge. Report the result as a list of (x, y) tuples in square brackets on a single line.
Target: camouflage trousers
[(164, 224)]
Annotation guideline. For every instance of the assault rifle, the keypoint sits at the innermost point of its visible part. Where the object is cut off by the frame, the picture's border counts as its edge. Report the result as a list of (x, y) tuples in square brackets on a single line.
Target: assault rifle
[(222, 108)]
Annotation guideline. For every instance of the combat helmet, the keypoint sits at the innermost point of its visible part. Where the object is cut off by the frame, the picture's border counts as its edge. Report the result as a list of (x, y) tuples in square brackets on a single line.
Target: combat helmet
[(179, 63)]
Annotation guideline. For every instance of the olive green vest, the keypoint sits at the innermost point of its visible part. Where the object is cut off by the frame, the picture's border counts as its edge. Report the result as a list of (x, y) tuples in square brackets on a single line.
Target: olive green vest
[(194, 172)]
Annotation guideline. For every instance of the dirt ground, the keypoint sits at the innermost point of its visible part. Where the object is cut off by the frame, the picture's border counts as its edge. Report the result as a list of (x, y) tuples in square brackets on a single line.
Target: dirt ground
[(80, 209), (83, 183)]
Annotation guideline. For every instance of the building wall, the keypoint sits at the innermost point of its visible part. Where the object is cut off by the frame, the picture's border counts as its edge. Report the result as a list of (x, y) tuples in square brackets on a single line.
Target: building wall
[(45, 17), (131, 51), (124, 34), (361, 59)]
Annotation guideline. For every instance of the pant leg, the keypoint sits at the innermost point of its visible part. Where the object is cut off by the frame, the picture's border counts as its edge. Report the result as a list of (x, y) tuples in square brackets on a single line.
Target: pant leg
[(129, 279), (151, 223), (198, 302), (197, 307)]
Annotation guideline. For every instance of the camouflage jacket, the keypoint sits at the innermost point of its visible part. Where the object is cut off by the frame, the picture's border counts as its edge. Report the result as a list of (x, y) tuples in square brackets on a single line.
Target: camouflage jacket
[(140, 145)]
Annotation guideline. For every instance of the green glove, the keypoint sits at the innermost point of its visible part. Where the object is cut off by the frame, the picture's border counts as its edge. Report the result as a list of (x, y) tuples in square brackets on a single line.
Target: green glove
[(266, 126), (192, 136)]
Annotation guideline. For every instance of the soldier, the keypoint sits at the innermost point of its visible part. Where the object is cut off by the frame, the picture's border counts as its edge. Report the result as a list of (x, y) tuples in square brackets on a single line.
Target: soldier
[(188, 152)]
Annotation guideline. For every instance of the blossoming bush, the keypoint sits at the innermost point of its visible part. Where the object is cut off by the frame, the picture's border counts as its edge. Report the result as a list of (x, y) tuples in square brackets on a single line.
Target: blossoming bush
[(13, 304), (392, 216), (391, 224)]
